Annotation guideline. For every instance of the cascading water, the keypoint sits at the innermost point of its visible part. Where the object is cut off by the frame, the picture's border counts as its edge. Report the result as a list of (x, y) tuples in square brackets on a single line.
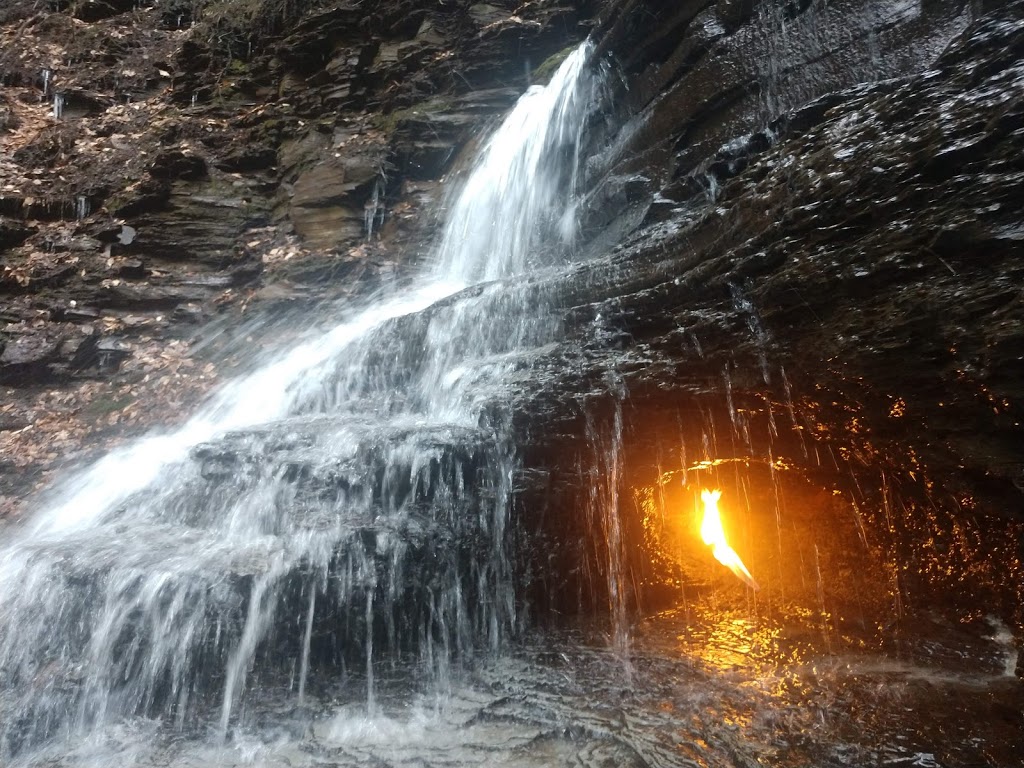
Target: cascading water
[(357, 489)]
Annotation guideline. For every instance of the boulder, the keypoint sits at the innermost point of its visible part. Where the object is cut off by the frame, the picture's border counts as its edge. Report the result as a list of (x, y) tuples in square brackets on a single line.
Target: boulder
[(26, 357)]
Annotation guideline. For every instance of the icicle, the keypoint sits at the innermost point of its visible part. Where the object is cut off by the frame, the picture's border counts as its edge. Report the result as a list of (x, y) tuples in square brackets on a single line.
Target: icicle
[(374, 211)]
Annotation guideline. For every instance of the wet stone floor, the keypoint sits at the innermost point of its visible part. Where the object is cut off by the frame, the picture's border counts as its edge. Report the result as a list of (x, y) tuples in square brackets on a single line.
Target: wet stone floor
[(695, 687)]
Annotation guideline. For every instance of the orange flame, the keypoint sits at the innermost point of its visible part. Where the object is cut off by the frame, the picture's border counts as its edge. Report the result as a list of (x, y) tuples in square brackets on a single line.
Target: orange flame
[(714, 535)]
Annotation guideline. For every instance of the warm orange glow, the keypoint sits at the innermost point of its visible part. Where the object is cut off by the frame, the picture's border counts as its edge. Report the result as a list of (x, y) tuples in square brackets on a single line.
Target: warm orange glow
[(714, 535)]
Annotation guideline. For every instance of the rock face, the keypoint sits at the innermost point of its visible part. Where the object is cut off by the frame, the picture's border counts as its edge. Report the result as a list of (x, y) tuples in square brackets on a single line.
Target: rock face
[(831, 292), (803, 242)]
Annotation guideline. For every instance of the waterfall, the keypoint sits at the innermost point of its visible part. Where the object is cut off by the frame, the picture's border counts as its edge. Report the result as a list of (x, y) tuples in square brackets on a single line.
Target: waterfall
[(356, 487)]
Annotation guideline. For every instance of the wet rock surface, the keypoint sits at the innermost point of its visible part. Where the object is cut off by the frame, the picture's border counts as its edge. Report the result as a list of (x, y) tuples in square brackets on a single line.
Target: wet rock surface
[(835, 295), (707, 689), (798, 281)]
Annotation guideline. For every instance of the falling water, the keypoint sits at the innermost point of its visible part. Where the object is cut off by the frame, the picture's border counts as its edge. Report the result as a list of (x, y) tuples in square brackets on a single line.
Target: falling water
[(606, 518), (356, 488)]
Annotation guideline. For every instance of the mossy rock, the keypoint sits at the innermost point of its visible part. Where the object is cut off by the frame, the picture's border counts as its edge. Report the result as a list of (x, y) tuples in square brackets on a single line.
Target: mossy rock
[(542, 74), (390, 122)]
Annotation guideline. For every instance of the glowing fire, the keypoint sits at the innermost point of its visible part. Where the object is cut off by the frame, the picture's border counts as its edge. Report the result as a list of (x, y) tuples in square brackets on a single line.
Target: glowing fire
[(714, 535)]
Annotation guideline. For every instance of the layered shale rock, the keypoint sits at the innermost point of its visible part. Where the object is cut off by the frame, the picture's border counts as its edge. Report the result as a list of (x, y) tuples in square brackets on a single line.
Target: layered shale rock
[(830, 298)]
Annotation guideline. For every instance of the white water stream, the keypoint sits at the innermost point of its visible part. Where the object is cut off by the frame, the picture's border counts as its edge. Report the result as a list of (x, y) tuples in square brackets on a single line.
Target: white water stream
[(330, 488)]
